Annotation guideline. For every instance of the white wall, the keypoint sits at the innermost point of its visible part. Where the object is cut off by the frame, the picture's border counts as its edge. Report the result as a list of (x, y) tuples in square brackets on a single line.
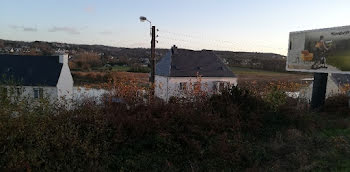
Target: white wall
[(65, 82), (166, 87), (28, 92), (161, 87)]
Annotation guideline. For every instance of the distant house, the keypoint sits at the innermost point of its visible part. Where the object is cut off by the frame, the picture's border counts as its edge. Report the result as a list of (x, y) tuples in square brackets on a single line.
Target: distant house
[(336, 84), (182, 70), (36, 76)]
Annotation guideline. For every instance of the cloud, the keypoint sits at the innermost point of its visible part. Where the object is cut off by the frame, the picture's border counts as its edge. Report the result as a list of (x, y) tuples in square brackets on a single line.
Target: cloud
[(106, 32), (29, 29), (69, 30), (90, 9), (15, 27), (25, 29)]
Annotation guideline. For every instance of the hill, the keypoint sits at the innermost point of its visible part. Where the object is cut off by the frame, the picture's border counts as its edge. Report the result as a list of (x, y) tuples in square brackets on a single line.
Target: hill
[(112, 56)]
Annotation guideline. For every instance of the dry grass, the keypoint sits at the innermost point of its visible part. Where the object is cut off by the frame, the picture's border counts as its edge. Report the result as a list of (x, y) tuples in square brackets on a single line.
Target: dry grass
[(99, 79)]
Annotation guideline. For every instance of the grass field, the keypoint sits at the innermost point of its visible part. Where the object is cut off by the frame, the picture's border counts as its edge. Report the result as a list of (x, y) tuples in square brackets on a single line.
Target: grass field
[(241, 70), (115, 68), (261, 78)]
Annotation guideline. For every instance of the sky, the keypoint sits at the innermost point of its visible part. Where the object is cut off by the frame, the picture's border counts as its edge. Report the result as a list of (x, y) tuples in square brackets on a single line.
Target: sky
[(234, 25)]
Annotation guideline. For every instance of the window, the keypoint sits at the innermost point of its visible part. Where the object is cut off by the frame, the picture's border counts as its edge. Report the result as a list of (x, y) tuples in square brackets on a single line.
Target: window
[(38, 93), (221, 86), (183, 85)]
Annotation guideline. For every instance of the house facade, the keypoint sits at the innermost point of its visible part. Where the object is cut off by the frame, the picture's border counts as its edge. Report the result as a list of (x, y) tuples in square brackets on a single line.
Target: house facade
[(36, 77), (181, 71)]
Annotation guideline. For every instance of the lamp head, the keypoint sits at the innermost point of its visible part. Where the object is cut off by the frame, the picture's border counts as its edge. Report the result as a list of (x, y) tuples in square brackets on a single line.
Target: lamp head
[(142, 19)]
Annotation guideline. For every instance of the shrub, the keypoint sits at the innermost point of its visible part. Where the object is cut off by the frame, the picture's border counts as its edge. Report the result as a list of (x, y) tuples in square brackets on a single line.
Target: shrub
[(275, 98), (139, 69), (234, 131)]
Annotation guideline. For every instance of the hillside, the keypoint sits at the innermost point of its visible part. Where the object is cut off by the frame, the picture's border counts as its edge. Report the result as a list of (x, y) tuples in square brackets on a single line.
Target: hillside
[(134, 56), (265, 61)]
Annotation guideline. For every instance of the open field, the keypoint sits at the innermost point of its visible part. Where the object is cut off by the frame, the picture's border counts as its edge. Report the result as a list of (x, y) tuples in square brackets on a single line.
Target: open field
[(115, 68), (95, 79), (260, 78), (246, 77)]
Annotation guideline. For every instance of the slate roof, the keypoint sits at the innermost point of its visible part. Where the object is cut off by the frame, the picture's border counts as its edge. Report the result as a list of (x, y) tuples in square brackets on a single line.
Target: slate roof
[(186, 63), (30, 70)]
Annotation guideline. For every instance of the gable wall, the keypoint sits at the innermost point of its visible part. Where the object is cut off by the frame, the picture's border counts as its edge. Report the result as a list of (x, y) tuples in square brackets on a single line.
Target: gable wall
[(65, 83)]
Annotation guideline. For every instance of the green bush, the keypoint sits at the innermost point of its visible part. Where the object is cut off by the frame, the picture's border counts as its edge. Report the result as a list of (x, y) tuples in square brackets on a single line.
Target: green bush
[(139, 69), (275, 98)]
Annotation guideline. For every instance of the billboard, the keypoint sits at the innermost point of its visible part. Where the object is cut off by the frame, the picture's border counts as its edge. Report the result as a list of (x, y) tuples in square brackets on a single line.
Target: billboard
[(322, 50)]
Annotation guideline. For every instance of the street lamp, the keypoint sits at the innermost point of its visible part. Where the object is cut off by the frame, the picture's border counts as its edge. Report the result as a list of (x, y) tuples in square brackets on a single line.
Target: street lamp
[(143, 19), (153, 49)]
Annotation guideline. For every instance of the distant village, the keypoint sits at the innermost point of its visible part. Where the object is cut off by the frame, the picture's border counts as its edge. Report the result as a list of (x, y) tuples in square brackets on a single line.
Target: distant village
[(100, 57), (85, 57)]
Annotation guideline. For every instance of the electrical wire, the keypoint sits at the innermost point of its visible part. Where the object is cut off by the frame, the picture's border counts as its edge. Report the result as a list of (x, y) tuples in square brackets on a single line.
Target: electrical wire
[(243, 46)]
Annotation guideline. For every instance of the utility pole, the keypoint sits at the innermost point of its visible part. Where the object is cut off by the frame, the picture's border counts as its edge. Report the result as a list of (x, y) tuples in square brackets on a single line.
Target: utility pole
[(153, 60), (153, 54), (319, 89)]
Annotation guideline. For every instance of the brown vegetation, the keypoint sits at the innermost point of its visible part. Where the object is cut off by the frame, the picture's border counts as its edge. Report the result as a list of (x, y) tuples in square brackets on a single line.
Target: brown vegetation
[(85, 61), (234, 131)]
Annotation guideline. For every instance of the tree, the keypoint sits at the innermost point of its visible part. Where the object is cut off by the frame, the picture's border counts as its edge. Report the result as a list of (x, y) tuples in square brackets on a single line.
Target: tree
[(87, 60)]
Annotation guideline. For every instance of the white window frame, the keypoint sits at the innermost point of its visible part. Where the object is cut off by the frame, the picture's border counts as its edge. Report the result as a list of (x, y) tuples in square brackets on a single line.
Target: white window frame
[(38, 93)]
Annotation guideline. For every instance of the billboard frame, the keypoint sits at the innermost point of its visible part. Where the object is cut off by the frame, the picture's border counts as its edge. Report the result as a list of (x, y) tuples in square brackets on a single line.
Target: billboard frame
[(312, 31)]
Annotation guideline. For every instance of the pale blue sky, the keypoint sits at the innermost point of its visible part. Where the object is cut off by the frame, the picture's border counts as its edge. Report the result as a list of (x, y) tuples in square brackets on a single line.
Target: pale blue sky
[(236, 25)]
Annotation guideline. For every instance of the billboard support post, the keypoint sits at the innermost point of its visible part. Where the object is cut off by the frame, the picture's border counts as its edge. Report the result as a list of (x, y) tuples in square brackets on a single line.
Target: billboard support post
[(319, 89)]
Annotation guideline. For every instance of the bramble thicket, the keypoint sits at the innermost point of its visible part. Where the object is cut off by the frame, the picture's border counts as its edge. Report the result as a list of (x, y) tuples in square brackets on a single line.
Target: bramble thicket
[(235, 130)]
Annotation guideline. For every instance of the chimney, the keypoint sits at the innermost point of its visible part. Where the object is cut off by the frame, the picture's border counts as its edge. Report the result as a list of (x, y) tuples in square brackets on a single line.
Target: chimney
[(174, 49), (63, 58)]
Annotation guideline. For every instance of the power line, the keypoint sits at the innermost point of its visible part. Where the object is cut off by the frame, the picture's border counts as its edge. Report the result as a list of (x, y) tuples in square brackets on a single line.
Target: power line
[(189, 38), (200, 45)]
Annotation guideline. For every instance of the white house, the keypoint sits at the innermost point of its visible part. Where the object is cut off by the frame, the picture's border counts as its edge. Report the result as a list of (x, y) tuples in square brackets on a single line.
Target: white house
[(181, 70), (36, 76)]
